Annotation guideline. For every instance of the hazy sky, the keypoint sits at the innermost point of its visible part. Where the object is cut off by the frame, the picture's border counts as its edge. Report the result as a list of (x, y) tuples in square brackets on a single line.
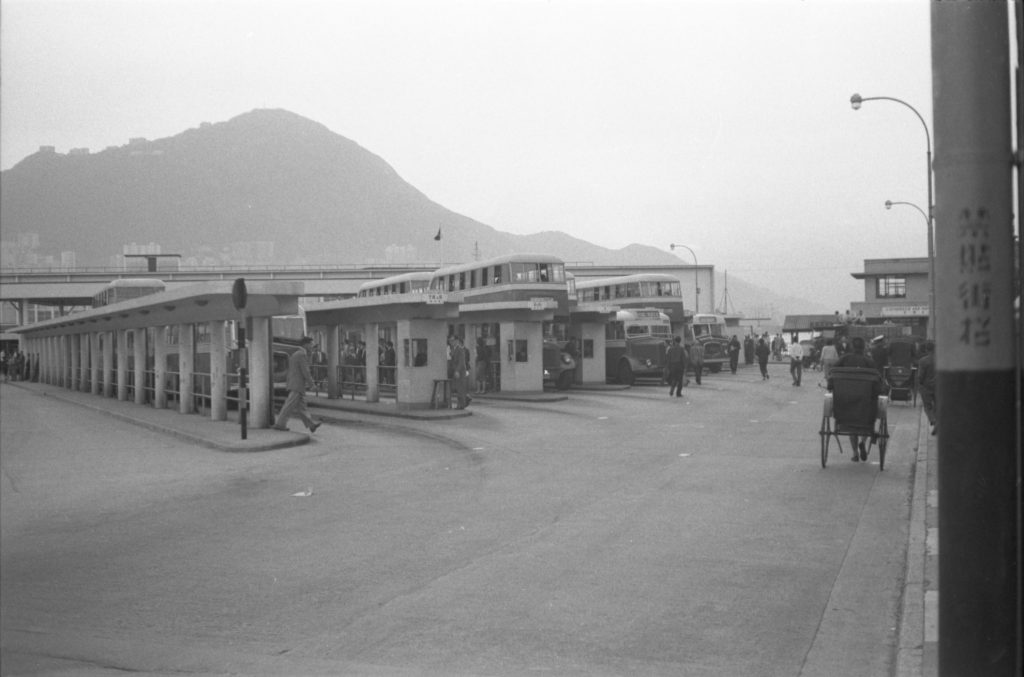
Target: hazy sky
[(722, 125)]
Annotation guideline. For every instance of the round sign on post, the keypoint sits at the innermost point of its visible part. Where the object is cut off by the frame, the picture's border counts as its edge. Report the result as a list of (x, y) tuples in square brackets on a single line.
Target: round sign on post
[(239, 295)]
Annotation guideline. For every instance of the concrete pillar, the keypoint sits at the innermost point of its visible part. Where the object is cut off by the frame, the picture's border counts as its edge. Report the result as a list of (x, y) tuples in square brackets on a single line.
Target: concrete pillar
[(414, 384), (975, 355), (186, 367), (218, 371), (522, 376), (65, 360), (593, 367), (108, 363), (139, 366), (83, 362), (333, 350), (160, 350), (372, 361), (76, 362), (261, 368), (95, 360), (45, 368), (122, 364)]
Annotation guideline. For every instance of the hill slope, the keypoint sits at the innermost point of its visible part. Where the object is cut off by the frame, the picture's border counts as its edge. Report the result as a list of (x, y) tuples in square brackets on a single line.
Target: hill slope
[(264, 176)]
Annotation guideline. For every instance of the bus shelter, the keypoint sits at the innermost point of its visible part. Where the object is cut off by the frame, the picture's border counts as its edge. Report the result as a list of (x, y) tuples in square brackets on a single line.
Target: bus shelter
[(415, 327), (168, 349)]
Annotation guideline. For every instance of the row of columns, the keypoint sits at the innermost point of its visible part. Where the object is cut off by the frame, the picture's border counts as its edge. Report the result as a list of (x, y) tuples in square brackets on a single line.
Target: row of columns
[(97, 362)]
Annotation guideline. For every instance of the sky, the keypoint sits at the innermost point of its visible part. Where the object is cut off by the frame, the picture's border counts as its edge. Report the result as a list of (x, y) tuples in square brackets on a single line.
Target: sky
[(724, 125)]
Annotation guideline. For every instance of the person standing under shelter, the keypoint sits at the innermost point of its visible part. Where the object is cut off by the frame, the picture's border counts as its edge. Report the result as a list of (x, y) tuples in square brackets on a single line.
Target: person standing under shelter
[(459, 371), (299, 381), (483, 365)]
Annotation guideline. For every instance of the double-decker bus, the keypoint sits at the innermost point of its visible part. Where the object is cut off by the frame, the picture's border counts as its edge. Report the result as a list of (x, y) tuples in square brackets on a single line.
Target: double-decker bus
[(406, 283), (506, 279), (708, 330), (635, 344), (127, 288), (644, 288), (648, 305)]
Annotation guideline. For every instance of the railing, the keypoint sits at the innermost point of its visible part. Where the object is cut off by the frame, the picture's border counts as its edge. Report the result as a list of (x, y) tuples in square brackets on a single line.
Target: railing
[(352, 379), (387, 380)]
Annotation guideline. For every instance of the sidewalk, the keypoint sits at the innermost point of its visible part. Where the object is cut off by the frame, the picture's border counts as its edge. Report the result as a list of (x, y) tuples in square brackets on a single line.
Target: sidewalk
[(919, 621)]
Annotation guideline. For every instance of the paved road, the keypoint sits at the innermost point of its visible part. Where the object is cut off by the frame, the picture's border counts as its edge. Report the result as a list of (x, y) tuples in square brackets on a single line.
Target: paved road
[(614, 533)]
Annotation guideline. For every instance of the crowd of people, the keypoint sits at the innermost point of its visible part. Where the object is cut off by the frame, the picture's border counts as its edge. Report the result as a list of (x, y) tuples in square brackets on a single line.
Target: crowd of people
[(17, 366)]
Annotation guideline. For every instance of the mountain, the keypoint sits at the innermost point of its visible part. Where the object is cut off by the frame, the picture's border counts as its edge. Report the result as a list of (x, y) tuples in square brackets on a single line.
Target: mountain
[(266, 187), (264, 176)]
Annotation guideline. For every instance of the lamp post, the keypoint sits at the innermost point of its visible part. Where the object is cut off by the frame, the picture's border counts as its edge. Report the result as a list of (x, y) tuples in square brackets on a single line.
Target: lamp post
[(696, 282), (856, 101), (931, 265)]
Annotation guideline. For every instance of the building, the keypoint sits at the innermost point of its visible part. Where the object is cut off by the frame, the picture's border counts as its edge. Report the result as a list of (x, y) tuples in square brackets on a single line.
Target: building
[(896, 291)]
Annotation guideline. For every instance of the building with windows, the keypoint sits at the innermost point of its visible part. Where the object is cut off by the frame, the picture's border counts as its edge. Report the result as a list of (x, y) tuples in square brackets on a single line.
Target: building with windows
[(895, 292)]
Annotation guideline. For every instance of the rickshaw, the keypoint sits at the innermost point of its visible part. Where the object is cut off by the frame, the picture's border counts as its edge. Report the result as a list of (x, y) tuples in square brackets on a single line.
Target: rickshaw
[(854, 406), (901, 372)]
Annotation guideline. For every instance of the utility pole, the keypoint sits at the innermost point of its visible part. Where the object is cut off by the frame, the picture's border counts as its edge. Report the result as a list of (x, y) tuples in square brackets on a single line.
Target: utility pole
[(979, 500)]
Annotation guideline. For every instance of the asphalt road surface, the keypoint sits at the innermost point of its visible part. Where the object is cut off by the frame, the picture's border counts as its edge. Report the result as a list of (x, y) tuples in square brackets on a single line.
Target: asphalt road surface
[(614, 533)]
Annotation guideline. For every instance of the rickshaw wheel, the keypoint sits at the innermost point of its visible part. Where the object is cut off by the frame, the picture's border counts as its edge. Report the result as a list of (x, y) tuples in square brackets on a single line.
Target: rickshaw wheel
[(883, 440), (824, 446), (826, 428)]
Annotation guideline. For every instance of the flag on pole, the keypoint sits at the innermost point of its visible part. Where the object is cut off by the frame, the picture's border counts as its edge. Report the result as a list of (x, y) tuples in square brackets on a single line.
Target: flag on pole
[(438, 236)]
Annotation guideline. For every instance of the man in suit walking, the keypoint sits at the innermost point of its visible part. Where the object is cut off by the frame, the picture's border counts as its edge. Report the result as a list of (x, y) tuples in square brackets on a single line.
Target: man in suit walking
[(299, 381)]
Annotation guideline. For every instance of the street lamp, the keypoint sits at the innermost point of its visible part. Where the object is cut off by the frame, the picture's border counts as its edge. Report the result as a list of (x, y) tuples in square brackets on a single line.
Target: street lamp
[(931, 264), (696, 282), (856, 101)]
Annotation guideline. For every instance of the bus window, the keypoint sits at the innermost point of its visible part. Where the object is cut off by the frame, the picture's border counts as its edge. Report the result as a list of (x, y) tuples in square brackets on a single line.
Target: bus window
[(483, 278), (637, 330), (497, 274)]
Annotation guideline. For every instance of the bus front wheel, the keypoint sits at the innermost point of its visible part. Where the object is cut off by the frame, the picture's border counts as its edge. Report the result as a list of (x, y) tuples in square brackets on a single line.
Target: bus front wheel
[(625, 374)]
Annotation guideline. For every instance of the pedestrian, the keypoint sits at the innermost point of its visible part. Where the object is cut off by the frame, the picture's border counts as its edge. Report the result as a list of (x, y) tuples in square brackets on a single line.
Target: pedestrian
[(734, 353), (299, 381), (390, 363), (3, 365), (748, 350), (926, 383), (18, 366), (880, 354), (459, 371), (829, 357), (857, 358), (762, 352), (796, 362), (695, 358), (675, 358), (483, 364)]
